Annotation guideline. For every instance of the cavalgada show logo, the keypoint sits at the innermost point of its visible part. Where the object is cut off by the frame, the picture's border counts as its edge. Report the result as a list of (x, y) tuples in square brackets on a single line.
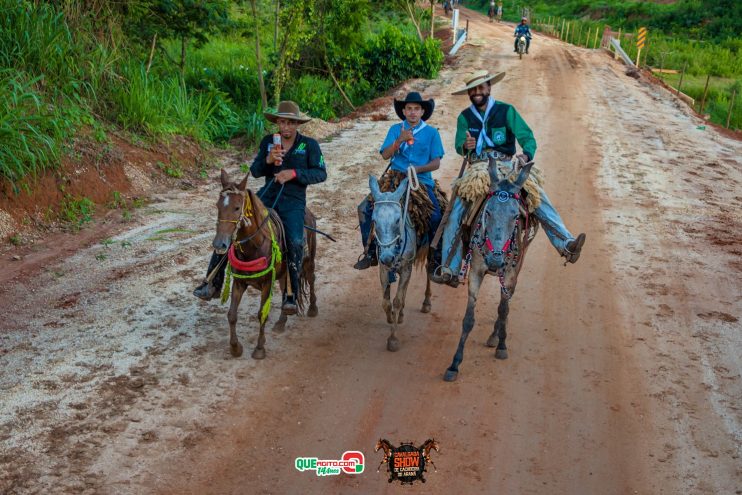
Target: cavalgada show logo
[(407, 463), (351, 462)]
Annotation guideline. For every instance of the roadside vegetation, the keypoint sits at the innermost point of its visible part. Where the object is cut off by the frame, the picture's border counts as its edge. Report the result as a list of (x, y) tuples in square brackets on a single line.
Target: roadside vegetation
[(702, 36), (203, 69)]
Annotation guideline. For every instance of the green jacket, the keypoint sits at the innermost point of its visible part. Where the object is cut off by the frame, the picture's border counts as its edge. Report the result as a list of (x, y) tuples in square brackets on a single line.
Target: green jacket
[(504, 125)]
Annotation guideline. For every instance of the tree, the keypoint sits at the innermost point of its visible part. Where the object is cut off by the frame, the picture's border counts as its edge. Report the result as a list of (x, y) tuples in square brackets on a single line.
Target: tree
[(256, 19), (296, 33), (182, 20), (414, 13)]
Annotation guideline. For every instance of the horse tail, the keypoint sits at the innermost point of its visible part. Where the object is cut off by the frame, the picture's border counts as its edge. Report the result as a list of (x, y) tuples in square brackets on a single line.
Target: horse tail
[(421, 256), (307, 266)]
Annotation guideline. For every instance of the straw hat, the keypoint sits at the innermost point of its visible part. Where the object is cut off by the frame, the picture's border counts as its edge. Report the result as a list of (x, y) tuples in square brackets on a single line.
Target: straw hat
[(287, 110), (477, 78)]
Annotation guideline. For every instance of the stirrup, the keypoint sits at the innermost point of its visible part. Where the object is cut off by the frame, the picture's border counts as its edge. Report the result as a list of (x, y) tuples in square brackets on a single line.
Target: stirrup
[(366, 260), (573, 256), (206, 291)]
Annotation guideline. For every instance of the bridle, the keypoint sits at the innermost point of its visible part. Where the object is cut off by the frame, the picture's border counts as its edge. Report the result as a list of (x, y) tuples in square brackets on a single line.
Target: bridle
[(480, 241), (246, 215), (502, 197), (413, 184)]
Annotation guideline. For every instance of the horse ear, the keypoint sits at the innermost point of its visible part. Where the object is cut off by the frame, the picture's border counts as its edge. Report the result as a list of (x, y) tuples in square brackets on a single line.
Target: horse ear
[(242, 185), (523, 176), (401, 188), (373, 184), (225, 179)]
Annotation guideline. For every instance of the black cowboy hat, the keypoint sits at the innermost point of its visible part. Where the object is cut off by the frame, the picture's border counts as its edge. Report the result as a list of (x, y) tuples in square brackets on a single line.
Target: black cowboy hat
[(414, 97)]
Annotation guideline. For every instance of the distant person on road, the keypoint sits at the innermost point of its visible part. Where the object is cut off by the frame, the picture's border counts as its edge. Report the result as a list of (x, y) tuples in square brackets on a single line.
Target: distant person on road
[(522, 29), (491, 12), (288, 168), (489, 129), (499, 12)]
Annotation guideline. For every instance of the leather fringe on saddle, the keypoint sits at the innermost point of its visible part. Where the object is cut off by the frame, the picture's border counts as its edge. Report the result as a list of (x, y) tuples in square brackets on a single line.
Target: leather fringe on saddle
[(475, 183), (421, 208)]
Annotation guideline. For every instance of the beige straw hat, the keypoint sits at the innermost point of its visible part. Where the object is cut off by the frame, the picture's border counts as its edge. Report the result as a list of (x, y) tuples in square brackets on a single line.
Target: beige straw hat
[(287, 110), (477, 78)]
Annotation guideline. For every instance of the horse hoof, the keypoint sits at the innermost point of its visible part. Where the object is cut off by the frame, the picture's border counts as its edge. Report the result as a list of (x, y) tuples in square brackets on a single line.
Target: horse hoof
[(258, 353), (392, 344), (501, 354), (400, 318), (450, 375), (235, 349), (492, 341), (313, 311), (426, 308), (389, 319)]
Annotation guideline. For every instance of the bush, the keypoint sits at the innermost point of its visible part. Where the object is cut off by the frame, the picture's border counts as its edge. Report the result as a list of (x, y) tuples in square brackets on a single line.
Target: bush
[(317, 96), (31, 133), (391, 57)]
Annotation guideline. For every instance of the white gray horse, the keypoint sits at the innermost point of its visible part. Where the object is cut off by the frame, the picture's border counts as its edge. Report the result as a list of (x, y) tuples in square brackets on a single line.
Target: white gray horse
[(397, 245), (498, 245)]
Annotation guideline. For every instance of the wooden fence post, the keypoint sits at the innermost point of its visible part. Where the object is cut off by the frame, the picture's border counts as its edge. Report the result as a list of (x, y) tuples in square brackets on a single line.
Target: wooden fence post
[(682, 74), (731, 106), (705, 92), (615, 53), (595, 41)]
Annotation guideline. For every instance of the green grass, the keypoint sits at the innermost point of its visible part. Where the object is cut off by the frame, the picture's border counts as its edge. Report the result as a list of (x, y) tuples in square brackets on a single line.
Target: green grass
[(172, 169), (718, 98), (175, 231), (76, 211), (64, 68)]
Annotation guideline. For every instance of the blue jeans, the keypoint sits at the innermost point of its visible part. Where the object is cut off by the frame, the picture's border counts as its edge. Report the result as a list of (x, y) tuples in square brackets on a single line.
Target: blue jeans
[(366, 210), (546, 214)]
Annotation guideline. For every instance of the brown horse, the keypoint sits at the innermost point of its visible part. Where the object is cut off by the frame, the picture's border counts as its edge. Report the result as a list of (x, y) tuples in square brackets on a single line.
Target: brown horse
[(254, 236), (383, 443), (430, 444)]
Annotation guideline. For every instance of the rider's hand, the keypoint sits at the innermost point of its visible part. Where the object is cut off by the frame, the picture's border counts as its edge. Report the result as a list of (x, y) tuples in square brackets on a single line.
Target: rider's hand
[(523, 159), (284, 176), (405, 135), (470, 142), (276, 155)]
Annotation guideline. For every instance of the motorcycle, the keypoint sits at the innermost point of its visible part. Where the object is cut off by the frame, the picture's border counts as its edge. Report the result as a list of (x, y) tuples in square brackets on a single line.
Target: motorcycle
[(521, 45)]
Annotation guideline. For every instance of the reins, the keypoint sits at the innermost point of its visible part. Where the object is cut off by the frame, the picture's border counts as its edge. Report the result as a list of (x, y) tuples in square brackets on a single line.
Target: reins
[(247, 213), (413, 184), (507, 247)]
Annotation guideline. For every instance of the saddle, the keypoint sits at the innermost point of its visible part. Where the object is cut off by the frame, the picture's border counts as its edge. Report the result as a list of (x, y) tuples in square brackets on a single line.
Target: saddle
[(421, 207)]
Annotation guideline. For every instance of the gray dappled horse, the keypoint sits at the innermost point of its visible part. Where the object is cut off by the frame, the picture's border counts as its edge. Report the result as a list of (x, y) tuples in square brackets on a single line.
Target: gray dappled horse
[(498, 246), (397, 244)]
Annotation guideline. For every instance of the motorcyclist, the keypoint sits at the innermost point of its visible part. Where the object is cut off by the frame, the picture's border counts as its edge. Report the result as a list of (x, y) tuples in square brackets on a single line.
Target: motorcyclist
[(522, 29)]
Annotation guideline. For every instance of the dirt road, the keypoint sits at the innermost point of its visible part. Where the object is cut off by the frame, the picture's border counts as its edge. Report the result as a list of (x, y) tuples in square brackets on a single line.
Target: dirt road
[(623, 368)]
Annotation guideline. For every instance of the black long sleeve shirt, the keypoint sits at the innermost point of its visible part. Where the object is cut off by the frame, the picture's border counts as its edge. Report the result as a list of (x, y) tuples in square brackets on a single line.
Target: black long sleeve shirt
[(305, 156)]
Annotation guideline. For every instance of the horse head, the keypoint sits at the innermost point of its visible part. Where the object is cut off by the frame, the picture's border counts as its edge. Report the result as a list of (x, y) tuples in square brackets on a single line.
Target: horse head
[(500, 217), (383, 443), (388, 219), (230, 216), (431, 444)]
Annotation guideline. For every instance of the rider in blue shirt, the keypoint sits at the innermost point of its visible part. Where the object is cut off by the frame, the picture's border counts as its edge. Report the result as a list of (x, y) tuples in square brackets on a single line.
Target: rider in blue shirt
[(522, 29), (411, 142)]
